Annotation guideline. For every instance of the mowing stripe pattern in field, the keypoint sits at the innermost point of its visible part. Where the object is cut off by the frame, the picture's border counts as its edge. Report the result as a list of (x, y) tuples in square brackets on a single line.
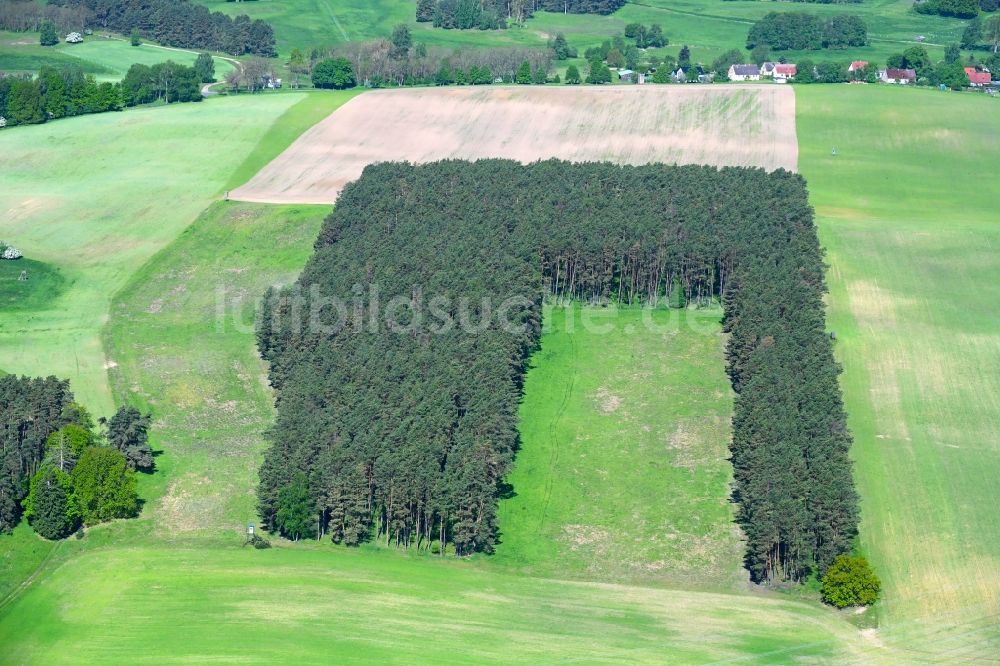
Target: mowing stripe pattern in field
[(718, 125)]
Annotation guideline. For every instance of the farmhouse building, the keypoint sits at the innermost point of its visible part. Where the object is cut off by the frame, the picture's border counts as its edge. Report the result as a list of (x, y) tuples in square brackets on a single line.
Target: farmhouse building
[(784, 72), (900, 76), (978, 79), (856, 65), (767, 69), (744, 73), (679, 75), (625, 75)]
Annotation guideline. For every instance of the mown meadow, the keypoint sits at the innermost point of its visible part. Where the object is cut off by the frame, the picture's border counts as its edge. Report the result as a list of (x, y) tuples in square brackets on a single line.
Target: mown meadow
[(911, 226)]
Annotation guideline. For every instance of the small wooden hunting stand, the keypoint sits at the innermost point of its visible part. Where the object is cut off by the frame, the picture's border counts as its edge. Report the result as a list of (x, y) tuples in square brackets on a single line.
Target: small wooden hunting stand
[(250, 534)]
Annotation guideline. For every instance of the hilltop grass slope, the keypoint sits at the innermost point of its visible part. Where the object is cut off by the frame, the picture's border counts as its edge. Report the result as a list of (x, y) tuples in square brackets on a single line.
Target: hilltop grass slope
[(95, 197), (912, 228)]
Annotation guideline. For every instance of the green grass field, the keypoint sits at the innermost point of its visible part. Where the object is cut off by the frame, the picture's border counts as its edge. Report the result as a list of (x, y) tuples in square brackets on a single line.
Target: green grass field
[(610, 419), (141, 589), (912, 228), (910, 224), (128, 184), (710, 27), (20, 52), (43, 284), (108, 58)]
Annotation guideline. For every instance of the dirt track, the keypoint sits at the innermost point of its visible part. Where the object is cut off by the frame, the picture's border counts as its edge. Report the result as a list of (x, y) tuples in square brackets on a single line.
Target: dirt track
[(685, 124)]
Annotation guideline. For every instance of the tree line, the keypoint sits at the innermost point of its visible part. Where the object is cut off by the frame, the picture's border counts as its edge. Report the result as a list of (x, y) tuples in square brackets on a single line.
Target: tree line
[(497, 14), (55, 93), (180, 23), (384, 63), (65, 91), (956, 8), (56, 469), (405, 436), (799, 31), (26, 16)]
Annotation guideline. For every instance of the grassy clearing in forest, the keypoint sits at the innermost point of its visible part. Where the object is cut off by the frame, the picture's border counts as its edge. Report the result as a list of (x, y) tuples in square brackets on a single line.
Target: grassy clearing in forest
[(912, 229), (623, 472)]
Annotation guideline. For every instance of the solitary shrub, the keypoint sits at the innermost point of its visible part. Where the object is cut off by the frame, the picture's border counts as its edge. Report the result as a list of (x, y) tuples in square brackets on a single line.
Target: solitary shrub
[(48, 35), (104, 487), (850, 581), (259, 542), (9, 251), (335, 73)]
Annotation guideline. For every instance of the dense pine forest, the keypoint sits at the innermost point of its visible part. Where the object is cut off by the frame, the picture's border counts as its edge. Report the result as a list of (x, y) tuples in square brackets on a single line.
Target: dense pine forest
[(495, 14), (178, 23), (398, 355), (30, 411)]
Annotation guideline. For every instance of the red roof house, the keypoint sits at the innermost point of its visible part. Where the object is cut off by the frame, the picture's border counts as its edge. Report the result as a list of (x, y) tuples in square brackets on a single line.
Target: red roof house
[(784, 71), (894, 75), (978, 78), (857, 64)]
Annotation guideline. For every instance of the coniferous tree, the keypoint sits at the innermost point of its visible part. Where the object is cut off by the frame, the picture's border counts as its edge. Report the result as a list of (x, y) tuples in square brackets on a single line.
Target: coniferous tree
[(296, 518), (50, 507), (48, 35), (128, 432), (204, 67), (523, 73)]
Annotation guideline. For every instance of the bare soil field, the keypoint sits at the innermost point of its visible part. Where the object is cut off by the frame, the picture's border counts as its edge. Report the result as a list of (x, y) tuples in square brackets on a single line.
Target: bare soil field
[(723, 125)]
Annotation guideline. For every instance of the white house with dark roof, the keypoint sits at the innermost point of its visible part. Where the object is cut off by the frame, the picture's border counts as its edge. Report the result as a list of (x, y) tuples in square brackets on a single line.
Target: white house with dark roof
[(744, 73)]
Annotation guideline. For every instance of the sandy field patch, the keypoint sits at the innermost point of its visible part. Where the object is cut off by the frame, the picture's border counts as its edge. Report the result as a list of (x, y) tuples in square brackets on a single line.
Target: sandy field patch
[(734, 125)]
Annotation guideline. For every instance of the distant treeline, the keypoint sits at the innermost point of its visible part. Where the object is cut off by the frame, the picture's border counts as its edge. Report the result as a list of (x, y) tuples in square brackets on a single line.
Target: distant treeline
[(496, 14), (825, 2), (799, 30), (26, 16), (405, 435), (374, 65), (66, 91), (956, 8), (179, 23)]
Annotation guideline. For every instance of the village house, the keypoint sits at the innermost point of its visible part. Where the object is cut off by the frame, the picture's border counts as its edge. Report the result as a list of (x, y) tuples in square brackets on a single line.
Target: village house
[(900, 76), (784, 72), (767, 69), (679, 75), (978, 79), (857, 64), (625, 75), (744, 73)]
